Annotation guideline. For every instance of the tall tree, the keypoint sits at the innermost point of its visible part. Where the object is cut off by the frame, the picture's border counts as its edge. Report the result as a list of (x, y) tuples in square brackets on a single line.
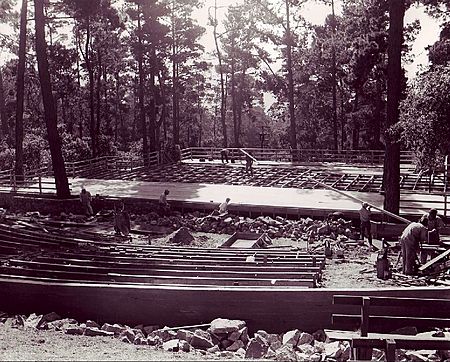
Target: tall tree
[(18, 169), (391, 174), (59, 170)]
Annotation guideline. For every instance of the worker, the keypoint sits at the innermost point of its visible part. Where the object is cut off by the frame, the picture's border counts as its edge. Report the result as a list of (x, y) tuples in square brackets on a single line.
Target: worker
[(248, 164), (224, 155), (223, 207), (164, 206), (435, 224), (122, 223), (85, 199), (364, 216), (410, 239)]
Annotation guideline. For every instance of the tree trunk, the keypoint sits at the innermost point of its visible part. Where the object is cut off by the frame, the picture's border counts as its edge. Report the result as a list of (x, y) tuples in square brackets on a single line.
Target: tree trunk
[(391, 174), (233, 96), (293, 129), (152, 108), (18, 169), (3, 116), (141, 91), (91, 90), (333, 79), (98, 98), (222, 81), (59, 170)]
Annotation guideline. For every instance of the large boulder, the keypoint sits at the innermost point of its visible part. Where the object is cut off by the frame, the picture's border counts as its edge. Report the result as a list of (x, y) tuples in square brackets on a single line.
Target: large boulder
[(94, 331), (286, 353), (256, 348), (221, 325), (291, 337), (201, 340), (115, 328)]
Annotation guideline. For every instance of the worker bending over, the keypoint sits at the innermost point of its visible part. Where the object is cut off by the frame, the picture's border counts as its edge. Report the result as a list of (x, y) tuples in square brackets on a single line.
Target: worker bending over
[(410, 239), (435, 224)]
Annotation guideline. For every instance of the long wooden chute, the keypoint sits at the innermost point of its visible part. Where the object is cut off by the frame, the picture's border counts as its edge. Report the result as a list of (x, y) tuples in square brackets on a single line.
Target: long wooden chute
[(361, 201), (248, 154)]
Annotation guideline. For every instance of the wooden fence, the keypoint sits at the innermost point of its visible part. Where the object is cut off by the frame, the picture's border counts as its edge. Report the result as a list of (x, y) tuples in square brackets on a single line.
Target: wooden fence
[(366, 157)]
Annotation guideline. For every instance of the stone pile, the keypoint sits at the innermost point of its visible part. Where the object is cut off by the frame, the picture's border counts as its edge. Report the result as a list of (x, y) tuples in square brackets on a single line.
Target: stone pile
[(305, 228), (224, 338)]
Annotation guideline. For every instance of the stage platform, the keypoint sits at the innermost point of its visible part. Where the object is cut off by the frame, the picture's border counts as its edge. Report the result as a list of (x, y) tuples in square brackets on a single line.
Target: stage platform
[(245, 199)]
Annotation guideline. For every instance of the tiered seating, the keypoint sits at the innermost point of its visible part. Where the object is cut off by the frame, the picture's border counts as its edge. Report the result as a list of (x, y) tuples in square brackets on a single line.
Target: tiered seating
[(54, 257)]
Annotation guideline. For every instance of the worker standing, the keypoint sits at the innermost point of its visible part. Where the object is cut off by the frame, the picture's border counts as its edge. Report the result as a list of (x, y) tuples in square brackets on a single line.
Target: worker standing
[(223, 207), (85, 199), (249, 164), (435, 224), (364, 216), (224, 155), (164, 206), (410, 239)]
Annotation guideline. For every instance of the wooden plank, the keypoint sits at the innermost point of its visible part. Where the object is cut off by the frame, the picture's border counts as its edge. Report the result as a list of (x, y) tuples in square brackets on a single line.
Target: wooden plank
[(376, 301), (434, 260), (390, 323), (405, 342), (390, 350)]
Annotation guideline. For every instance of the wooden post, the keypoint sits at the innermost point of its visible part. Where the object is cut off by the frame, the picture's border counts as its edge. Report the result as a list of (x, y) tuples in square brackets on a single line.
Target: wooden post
[(390, 350), (40, 184), (365, 316)]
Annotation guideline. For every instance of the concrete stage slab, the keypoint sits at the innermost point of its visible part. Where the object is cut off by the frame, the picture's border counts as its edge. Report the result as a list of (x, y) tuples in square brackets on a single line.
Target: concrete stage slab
[(314, 202)]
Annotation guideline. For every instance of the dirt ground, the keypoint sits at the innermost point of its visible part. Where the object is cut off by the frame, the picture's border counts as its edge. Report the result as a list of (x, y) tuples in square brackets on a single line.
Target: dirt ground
[(39, 345)]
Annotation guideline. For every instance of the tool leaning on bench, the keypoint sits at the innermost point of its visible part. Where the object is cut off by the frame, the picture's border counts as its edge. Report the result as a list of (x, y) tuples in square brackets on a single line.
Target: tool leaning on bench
[(380, 315)]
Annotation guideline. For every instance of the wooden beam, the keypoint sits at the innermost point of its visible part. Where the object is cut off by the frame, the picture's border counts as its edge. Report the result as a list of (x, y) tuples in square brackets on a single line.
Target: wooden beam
[(248, 154), (435, 260), (360, 201)]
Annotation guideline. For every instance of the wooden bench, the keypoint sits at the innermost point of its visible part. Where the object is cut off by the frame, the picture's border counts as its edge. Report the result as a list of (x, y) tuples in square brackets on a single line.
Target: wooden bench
[(382, 315)]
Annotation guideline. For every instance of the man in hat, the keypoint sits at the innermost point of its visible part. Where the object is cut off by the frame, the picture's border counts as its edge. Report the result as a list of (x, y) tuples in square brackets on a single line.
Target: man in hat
[(410, 239), (435, 224), (364, 217)]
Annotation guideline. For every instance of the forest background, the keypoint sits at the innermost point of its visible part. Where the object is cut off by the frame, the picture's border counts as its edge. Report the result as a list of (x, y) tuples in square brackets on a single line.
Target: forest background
[(131, 77)]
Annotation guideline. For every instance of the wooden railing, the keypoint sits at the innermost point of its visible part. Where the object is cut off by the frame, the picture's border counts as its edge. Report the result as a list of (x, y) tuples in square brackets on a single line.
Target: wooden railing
[(367, 157)]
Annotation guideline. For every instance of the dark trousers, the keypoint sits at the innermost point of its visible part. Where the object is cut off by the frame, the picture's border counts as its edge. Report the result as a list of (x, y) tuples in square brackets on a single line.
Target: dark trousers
[(224, 156), (365, 231)]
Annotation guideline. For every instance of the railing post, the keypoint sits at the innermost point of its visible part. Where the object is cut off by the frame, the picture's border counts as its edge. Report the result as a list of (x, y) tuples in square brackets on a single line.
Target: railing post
[(14, 185), (40, 184), (73, 169)]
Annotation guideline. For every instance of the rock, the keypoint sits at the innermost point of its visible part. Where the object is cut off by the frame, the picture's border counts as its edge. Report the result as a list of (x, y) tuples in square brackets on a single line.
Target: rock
[(181, 236), (154, 341), (200, 341), (270, 354), (244, 335), (320, 335), (316, 357), (225, 343), (171, 346), (291, 337), (60, 324), (73, 329), (90, 323), (306, 348), (319, 347), (213, 349), (331, 349), (305, 338), (149, 329), (256, 349), (236, 345), (94, 331), (286, 353), (234, 336), (47, 318), (33, 321), (184, 346), (221, 325), (127, 335), (140, 340), (165, 334), (226, 354), (115, 328), (302, 357), (185, 335)]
